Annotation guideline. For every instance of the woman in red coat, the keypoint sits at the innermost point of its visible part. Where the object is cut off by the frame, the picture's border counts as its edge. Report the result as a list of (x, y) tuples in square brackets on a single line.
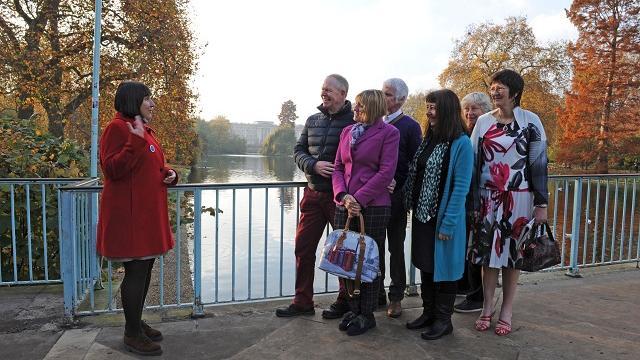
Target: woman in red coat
[(133, 227)]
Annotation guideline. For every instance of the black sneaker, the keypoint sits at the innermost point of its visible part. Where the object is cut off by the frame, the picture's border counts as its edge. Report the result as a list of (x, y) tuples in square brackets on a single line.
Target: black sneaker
[(361, 324), (336, 310), (294, 310), (468, 306), (346, 320)]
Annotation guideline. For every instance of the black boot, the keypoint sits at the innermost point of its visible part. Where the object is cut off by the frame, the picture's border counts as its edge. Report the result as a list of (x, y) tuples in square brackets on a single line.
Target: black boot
[(442, 325), (427, 318)]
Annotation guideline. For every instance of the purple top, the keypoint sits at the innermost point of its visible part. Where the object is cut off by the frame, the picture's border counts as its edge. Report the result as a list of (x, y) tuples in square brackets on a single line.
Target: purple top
[(366, 168)]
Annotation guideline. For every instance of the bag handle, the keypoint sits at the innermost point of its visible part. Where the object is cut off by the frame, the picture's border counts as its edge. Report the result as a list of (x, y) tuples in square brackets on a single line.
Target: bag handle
[(340, 241), (535, 230), (346, 225), (363, 248)]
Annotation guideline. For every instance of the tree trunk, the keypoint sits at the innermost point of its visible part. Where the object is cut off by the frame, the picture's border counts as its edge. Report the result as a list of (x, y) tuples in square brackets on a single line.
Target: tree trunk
[(602, 162), (56, 124), (25, 111)]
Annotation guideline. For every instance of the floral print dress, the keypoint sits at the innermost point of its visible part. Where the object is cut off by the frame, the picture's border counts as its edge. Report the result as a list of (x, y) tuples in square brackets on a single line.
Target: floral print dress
[(505, 197)]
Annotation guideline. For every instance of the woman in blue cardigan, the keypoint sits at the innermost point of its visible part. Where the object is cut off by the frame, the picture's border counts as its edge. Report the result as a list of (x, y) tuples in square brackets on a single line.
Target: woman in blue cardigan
[(436, 190)]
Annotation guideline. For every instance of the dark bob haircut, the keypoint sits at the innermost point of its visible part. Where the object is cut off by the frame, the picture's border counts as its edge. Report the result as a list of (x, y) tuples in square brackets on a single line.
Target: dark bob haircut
[(129, 97), (450, 124), (511, 79)]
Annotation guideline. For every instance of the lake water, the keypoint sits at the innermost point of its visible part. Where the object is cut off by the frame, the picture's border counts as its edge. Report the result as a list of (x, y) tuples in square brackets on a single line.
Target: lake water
[(256, 236)]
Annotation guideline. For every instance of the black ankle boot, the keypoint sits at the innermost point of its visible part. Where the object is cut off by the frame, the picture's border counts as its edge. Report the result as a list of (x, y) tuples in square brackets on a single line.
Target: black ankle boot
[(427, 293), (424, 320), (442, 325)]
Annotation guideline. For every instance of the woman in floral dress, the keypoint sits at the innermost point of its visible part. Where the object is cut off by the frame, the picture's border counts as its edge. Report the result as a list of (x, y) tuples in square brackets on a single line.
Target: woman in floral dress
[(510, 187)]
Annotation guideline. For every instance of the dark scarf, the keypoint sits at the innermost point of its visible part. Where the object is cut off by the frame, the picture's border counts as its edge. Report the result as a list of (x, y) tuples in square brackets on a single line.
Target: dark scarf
[(427, 206)]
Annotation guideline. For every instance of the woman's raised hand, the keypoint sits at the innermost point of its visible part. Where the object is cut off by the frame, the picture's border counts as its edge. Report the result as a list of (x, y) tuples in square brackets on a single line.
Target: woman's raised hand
[(138, 126)]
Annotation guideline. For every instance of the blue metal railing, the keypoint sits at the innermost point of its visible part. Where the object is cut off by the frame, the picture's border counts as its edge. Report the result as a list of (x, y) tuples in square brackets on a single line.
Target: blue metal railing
[(30, 230), (239, 239)]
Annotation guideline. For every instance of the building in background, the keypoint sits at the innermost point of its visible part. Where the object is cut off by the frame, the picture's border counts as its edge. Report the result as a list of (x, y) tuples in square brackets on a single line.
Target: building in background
[(255, 133)]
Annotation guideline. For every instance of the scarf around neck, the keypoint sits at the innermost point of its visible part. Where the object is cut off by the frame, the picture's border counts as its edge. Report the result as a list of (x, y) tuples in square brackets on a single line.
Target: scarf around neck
[(427, 206), (357, 131)]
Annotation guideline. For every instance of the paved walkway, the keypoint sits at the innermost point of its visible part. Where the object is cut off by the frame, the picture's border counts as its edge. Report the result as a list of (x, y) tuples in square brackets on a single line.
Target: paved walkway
[(556, 317)]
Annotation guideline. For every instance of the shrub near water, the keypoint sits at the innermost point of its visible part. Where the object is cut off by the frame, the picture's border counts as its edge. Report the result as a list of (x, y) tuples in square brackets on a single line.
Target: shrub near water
[(26, 152), (280, 142)]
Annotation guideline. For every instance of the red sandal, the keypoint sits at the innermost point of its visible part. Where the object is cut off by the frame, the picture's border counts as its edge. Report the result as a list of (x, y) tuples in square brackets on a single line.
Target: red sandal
[(483, 323), (503, 328)]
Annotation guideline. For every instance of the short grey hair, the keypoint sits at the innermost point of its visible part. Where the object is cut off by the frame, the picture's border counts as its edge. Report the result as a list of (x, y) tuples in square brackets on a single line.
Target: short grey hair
[(402, 91), (478, 98), (341, 81)]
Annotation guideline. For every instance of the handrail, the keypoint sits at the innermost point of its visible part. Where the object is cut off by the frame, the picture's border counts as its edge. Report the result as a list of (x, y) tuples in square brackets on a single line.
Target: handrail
[(241, 235), (22, 181)]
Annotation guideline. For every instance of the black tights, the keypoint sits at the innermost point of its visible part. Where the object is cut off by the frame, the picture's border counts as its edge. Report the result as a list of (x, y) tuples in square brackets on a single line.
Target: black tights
[(134, 288)]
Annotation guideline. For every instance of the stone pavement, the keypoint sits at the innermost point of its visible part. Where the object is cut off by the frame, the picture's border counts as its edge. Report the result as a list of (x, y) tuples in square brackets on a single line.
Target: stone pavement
[(556, 317)]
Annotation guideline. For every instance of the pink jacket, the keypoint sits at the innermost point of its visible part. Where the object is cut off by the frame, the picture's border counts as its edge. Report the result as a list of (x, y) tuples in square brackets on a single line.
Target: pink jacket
[(366, 169)]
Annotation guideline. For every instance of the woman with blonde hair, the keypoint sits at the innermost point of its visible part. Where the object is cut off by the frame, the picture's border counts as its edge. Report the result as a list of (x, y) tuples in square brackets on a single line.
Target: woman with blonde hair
[(365, 165)]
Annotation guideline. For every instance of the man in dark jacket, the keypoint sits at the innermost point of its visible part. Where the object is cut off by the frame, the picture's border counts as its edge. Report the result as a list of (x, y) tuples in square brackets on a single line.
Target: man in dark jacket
[(396, 92), (314, 154)]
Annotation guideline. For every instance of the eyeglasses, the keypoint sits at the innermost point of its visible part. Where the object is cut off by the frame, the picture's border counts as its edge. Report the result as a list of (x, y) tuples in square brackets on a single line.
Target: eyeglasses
[(498, 89)]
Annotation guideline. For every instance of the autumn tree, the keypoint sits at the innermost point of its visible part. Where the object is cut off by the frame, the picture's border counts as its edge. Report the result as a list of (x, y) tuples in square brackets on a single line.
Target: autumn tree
[(488, 47), (287, 114), (601, 119), (416, 107), (47, 49)]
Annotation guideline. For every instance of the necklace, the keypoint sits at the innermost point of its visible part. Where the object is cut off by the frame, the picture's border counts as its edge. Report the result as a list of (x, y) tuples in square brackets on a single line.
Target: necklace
[(501, 119)]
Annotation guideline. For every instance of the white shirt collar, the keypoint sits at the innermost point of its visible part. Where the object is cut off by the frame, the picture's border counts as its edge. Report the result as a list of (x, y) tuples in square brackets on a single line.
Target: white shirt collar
[(391, 117)]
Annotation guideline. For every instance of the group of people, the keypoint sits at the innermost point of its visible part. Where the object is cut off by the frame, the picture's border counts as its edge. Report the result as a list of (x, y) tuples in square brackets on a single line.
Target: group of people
[(471, 182), (475, 170)]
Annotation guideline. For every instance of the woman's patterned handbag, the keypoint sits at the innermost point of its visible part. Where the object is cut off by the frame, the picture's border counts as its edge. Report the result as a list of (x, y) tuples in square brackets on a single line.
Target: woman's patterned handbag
[(351, 255), (539, 249)]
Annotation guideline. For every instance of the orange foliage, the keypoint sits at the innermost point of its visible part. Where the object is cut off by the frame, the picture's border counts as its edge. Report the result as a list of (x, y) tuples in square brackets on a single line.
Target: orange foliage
[(600, 119), (489, 47), (47, 55)]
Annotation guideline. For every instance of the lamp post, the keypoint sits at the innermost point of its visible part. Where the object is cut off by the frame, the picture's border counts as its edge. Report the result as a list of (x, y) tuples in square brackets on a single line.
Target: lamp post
[(95, 88)]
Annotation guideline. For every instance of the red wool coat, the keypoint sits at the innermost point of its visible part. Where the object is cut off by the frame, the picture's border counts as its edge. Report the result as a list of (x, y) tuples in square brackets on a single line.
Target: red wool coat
[(133, 220)]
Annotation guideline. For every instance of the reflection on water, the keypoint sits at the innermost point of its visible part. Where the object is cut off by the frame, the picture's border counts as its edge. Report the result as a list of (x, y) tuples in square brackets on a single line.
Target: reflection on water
[(245, 168), (248, 239), (221, 169)]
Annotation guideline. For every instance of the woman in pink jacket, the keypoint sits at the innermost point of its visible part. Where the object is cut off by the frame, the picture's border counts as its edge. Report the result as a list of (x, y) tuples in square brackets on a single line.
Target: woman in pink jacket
[(364, 167)]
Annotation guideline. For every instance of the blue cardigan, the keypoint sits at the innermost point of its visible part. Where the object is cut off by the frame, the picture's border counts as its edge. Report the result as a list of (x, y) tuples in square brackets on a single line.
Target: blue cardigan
[(449, 254)]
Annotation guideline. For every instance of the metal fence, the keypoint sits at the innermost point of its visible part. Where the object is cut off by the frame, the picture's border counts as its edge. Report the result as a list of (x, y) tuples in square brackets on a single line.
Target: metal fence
[(235, 241), (30, 231), (604, 224)]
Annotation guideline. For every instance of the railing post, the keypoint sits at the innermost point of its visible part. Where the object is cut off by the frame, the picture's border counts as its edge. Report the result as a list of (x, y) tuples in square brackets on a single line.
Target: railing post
[(95, 268), (575, 229), (198, 308), (66, 253), (411, 289)]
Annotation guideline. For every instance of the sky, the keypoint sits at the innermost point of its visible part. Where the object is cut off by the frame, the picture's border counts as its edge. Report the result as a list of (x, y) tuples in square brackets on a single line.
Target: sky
[(256, 54)]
